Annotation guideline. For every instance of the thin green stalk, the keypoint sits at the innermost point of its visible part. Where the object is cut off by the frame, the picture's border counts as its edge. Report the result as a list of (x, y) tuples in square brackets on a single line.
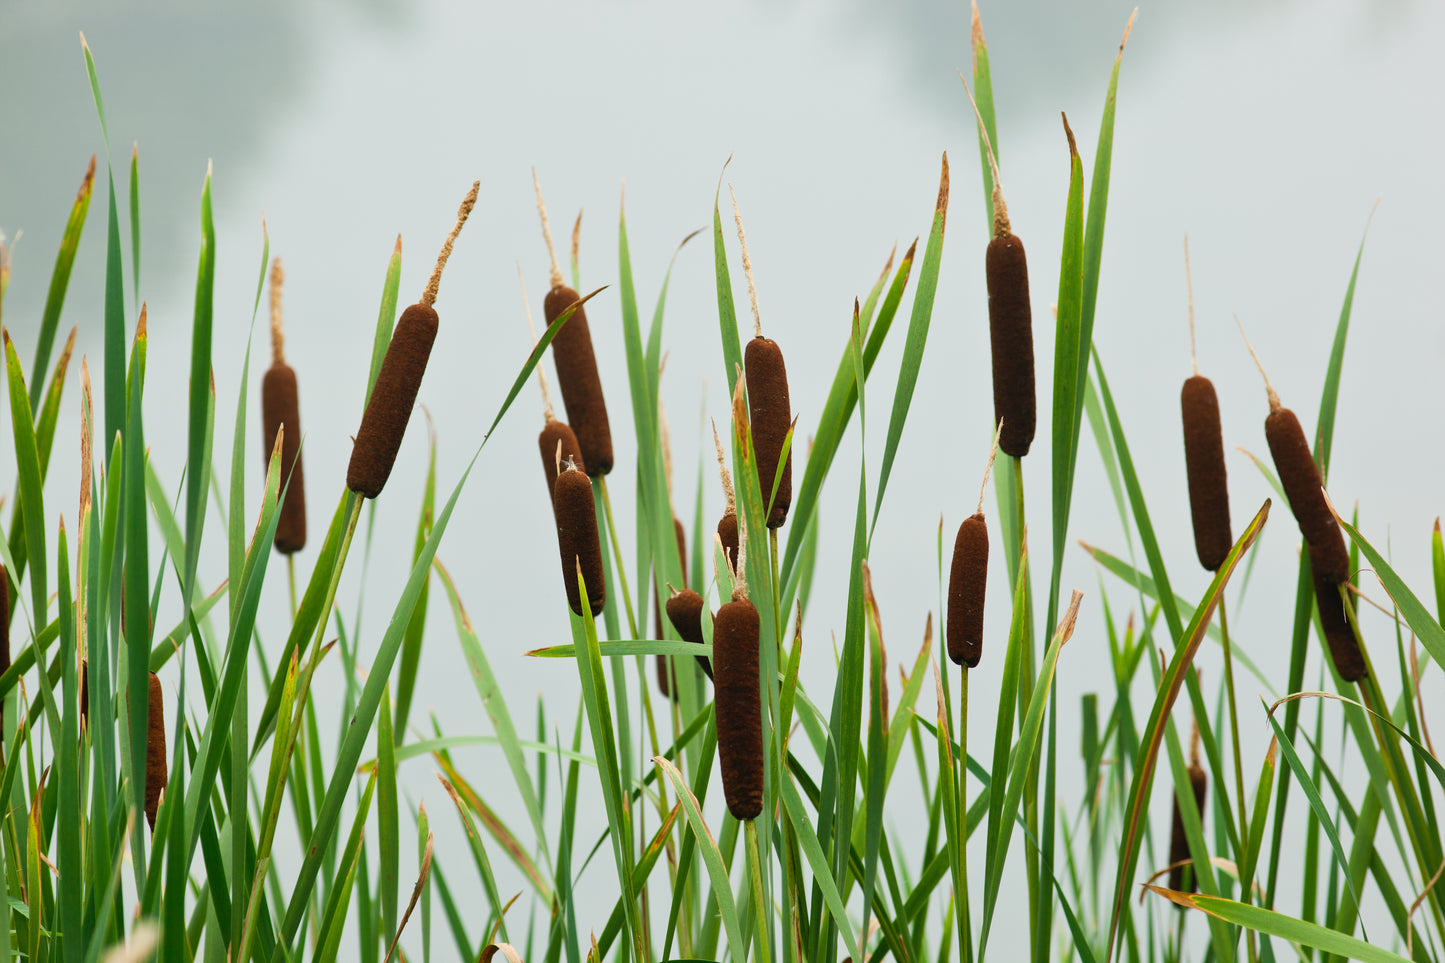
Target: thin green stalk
[(291, 581), (965, 938), (760, 902), (622, 588)]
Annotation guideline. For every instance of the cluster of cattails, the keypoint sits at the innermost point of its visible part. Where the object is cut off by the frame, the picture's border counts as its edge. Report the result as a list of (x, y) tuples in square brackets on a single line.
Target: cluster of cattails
[(968, 578), (1178, 841), (1299, 476), (1010, 319), (576, 364), (1204, 456), (155, 751), (281, 414), (737, 702), (383, 425)]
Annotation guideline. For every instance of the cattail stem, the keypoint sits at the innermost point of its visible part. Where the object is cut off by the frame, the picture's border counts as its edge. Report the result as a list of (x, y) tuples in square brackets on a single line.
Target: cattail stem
[(576, 246), (556, 271), (429, 296), (1234, 729), (278, 340), (1269, 391), (607, 518), (988, 468), (548, 412), (762, 915)]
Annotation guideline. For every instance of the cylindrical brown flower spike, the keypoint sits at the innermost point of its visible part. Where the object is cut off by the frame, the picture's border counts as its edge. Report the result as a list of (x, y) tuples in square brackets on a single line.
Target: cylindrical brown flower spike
[(389, 409), (280, 409), (771, 419), (1010, 319), (576, 364), (737, 704), (1178, 841), (1204, 455), (1299, 476), (155, 751), (1339, 636), (966, 583), (968, 578), (553, 433), (1204, 463), (684, 611), (578, 540), (84, 693)]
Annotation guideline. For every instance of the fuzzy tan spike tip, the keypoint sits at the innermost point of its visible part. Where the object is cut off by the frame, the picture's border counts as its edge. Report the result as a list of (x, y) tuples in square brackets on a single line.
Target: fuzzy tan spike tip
[(747, 265), (429, 296), (278, 339), (1269, 391), (1000, 208), (555, 270)]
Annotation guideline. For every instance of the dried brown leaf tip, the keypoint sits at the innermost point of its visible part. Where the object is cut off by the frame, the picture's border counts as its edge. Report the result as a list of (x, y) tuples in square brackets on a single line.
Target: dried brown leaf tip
[(388, 410)]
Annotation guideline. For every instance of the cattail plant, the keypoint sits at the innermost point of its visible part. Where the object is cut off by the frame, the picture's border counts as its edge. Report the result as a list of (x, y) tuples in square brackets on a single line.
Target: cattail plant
[(280, 410), (1204, 456), (968, 578), (737, 701), (1178, 841), (577, 538), (556, 441), (389, 409), (576, 363), (1299, 476), (727, 526), (1010, 320), (155, 750), (768, 408)]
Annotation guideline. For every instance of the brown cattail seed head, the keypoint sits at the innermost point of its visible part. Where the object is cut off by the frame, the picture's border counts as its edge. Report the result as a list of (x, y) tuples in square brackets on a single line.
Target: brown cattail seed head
[(578, 378), (771, 418), (738, 708), (1178, 842), (1339, 636), (578, 540), (727, 533), (281, 409), (555, 431), (155, 750), (1011, 335), (1300, 478), (966, 584), (684, 611), (1204, 462), (384, 423)]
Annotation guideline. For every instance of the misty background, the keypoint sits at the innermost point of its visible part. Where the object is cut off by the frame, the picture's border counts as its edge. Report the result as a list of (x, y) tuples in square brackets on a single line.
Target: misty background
[(1267, 131)]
